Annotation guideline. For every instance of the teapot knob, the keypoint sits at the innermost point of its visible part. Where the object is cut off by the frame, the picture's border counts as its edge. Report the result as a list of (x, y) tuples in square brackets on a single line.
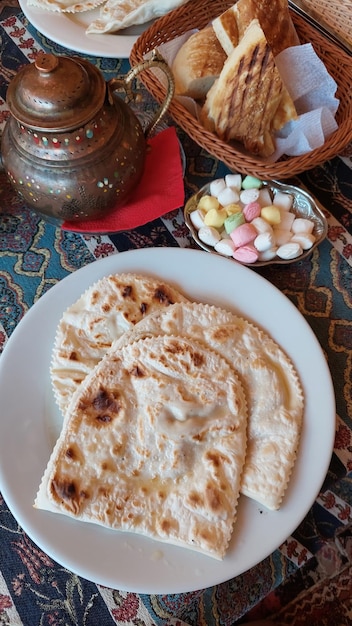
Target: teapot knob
[(46, 62)]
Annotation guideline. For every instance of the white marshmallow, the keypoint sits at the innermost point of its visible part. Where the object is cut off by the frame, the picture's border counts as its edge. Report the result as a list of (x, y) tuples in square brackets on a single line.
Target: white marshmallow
[(282, 236), (228, 196), (302, 225), (283, 200), (263, 242), (197, 218), (234, 181), (267, 255), (289, 251), (287, 219), (305, 240), (249, 195), (265, 198), (225, 246), (261, 225), (216, 186), (209, 235)]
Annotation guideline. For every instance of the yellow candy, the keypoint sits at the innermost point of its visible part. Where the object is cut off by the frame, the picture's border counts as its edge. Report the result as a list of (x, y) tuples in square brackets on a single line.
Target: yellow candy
[(215, 218), (208, 202), (232, 208), (271, 214)]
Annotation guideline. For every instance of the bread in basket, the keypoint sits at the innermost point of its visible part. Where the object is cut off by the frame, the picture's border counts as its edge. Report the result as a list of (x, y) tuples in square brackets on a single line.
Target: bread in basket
[(197, 14)]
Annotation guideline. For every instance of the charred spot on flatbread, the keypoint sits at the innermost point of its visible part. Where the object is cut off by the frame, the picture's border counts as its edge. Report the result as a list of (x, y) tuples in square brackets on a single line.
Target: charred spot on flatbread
[(104, 312)]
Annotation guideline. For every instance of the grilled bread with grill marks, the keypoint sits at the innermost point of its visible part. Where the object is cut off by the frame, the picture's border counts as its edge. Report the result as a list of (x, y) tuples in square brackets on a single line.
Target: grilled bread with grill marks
[(242, 103)]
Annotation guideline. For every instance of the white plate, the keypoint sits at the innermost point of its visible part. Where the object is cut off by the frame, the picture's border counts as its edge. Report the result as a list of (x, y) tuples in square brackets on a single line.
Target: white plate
[(69, 30), (29, 425)]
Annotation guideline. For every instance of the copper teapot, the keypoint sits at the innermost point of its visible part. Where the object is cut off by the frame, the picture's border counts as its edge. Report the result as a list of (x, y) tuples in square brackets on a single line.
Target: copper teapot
[(72, 147)]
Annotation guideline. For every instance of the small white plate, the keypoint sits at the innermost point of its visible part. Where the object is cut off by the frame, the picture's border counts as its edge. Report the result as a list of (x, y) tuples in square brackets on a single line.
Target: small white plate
[(30, 423), (69, 30)]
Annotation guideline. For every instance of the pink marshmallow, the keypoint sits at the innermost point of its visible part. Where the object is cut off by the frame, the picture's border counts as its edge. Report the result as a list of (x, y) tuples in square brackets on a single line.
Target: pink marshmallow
[(246, 254), (246, 233), (251, 211)]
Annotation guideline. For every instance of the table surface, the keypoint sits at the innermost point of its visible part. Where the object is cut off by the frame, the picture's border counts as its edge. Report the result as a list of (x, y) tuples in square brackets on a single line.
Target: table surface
[(35, 255)]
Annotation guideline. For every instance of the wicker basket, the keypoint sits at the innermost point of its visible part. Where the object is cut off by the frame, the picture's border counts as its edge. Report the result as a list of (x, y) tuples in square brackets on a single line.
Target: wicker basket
[(197, 14), (338, 15)]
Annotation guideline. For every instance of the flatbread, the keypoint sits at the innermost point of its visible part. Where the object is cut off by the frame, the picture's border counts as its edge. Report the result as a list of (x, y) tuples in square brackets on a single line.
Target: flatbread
[(271, 383), (88, 327), (118, 14), (153, 442), (66, 6)]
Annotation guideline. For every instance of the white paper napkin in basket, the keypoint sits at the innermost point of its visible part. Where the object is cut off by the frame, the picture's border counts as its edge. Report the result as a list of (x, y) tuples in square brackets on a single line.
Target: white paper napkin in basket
[(310, 86), (313, 91)]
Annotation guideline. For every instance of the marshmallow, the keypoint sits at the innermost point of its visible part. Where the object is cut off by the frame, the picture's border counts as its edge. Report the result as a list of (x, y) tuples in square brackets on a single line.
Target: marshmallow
[(234, 181), (289, 251), (228, 196), (225, 247), (246, 254), (263, 242), (261, 225), (251, 211), (246, 233), (287, 219), (267, 255), (208, 202), (265, 198), (281, 236), (305, 240), (233, 221), (302, 225), (197, 218), (215, 218), (271, 214), (283, 200), (232, 208), (251, 182), (249, 195), (216, 186), (209, 235)]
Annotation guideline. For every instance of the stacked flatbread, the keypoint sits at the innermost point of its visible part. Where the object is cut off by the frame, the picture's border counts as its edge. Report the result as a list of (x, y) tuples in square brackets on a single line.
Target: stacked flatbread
[(175, 409), (149, 446), (115, 15)]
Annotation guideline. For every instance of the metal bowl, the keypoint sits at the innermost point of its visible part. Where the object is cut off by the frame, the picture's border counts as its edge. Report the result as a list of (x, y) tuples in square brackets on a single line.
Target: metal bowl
[(304, 205)]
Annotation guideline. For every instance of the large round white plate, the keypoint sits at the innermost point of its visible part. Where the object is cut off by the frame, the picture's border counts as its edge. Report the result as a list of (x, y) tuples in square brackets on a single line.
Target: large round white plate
[(29, 425), (69, 30)]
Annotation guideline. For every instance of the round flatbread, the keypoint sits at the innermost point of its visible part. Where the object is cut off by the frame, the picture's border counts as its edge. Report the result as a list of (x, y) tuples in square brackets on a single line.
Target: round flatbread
[(110, 307), (153, 442), (272, 386)]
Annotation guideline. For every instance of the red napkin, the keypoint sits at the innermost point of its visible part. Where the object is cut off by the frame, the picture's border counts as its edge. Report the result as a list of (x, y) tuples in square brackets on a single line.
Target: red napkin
[(160, 190)]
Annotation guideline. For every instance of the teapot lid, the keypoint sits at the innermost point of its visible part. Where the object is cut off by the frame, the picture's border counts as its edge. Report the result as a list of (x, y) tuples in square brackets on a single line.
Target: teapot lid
[(56, 93)]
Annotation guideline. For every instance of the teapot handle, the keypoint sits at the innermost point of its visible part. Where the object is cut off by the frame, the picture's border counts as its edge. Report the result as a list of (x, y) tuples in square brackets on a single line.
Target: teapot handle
[(156, 60)]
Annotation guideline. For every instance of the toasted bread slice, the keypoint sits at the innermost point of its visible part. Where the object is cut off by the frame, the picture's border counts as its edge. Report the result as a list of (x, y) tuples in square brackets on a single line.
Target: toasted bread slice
[(243, 101), (274, 18)]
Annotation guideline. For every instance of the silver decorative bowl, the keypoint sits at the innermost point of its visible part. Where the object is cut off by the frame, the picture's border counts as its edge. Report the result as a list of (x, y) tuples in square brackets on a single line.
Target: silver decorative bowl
[(304, 205)]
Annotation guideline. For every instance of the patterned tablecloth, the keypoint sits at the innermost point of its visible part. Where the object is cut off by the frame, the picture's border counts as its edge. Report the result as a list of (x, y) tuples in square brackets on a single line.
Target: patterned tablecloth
[(316, 561)]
